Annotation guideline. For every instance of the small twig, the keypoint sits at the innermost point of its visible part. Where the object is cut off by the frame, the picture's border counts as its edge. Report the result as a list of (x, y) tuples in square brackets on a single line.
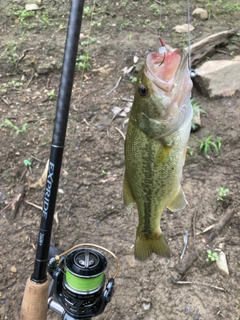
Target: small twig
[(4, 100), (16, 202), (194, 230), (31, 79), (85, 121), (221, 51), (33, 204), (23, 55), (116, 115), (127, 100), (35, 158), (5, 207), (30, 264), (115, 87), (86, 94), (198, 284), (188, 260), (185, 240), (122, 134), (161, 3), (8, 286)]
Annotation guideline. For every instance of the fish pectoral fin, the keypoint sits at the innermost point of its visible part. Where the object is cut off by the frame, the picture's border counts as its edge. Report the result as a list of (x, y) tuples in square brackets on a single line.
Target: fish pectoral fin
[(151, 127), (179, 202), (127, 195)]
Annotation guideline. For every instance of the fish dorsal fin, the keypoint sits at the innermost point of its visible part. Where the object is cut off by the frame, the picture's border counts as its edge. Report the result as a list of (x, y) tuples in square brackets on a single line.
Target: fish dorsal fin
[(179, 202)]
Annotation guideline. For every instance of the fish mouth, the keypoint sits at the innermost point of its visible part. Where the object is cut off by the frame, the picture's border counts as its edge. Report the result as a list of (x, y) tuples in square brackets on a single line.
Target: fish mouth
[(171, 82), (164, 70)]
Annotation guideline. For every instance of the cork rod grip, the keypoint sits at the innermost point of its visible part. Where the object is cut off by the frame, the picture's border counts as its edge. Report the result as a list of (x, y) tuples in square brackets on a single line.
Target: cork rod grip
[(35, 301)]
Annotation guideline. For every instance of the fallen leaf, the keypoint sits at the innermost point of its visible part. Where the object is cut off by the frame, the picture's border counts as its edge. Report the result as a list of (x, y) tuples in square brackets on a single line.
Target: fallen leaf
[(41, 182)]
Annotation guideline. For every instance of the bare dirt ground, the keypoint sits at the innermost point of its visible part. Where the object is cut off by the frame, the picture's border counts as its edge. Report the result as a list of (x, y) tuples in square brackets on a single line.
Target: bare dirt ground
[(89, 204)]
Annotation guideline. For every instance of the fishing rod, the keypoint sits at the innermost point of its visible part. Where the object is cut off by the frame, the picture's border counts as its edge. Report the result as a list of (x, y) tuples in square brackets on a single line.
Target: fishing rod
[(76, 290)]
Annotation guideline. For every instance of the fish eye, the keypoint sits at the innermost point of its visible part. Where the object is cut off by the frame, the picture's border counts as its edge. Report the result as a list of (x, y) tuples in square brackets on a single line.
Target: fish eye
[(143, 91)]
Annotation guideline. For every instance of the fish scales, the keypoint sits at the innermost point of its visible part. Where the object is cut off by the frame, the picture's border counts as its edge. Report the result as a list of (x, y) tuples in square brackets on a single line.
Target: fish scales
[(155, 150)]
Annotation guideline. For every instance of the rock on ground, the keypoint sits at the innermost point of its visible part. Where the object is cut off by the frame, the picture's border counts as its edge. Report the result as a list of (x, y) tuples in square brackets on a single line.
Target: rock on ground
[(218, 78), (203, 14)]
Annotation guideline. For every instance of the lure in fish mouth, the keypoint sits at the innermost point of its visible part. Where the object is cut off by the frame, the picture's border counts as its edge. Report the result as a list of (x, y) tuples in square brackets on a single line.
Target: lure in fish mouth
[(155, 146)]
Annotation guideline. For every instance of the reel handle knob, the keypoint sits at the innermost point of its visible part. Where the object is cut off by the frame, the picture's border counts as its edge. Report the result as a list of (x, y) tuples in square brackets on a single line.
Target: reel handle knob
[(109, 291)]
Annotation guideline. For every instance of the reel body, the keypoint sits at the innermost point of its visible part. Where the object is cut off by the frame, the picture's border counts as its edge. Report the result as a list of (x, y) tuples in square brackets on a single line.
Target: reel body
[(78, 284)]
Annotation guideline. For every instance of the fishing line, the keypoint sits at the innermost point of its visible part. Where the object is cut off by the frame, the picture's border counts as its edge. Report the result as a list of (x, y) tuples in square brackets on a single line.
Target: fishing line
[(89, 40), (162, 49), (193, 73), (95, 246), (189, 34)]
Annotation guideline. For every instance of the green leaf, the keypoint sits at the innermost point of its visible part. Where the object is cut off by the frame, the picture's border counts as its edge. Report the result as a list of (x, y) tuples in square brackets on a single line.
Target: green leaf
[(27, 163)]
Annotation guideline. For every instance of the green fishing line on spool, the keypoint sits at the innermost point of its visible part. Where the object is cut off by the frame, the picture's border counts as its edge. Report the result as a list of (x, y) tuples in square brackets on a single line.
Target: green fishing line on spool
[(83, 284)]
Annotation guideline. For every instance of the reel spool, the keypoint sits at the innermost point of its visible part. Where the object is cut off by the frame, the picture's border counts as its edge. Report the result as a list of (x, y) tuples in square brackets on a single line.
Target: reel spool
[(78, 283)]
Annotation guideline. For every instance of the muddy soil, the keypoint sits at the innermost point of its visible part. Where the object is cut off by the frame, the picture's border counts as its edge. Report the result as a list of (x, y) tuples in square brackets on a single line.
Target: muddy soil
[(89, 204)]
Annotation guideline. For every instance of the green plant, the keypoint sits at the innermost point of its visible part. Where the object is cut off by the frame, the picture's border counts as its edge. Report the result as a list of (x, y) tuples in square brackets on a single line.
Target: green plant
[(161, 26), (96, 23), (5, 86), (15, 129), (11, 54), (133, 79), (83, 62), (207, 145), (44, 19), (130, 36), (89, 11), (196, 109), (23, 15), (27, 163), (230, 7), (52, 95), (88, 42), (154, 7), (195, 106), (222, 192), (124, 3), (212, 256), (190, 152), (103, 172), (126, 23), (14, 83), (147, 22)]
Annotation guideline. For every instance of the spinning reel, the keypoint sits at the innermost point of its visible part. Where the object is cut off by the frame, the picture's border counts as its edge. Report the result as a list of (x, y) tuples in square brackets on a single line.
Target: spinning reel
[(77, 286)]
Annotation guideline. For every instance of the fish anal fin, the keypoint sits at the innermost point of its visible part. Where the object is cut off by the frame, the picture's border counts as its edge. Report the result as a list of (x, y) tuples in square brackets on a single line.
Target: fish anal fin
[(179, 202), (144, 247), (127, 195)]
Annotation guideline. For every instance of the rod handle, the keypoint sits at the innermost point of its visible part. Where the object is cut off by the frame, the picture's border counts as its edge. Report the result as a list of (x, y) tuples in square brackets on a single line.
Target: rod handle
[(35, 301)]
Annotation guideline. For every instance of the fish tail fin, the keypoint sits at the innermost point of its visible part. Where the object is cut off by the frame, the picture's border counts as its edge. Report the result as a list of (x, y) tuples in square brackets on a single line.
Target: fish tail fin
[(144, 247)]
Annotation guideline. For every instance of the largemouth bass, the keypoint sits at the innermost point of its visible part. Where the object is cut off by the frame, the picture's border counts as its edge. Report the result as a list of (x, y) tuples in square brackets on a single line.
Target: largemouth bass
[(155, 146)]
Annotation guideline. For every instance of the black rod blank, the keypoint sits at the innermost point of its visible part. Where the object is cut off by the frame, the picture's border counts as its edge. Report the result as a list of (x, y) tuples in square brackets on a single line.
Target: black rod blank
[(60, 125)]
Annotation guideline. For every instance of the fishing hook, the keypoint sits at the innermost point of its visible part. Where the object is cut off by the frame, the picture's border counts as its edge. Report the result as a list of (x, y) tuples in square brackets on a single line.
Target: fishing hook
[(162, 49)]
